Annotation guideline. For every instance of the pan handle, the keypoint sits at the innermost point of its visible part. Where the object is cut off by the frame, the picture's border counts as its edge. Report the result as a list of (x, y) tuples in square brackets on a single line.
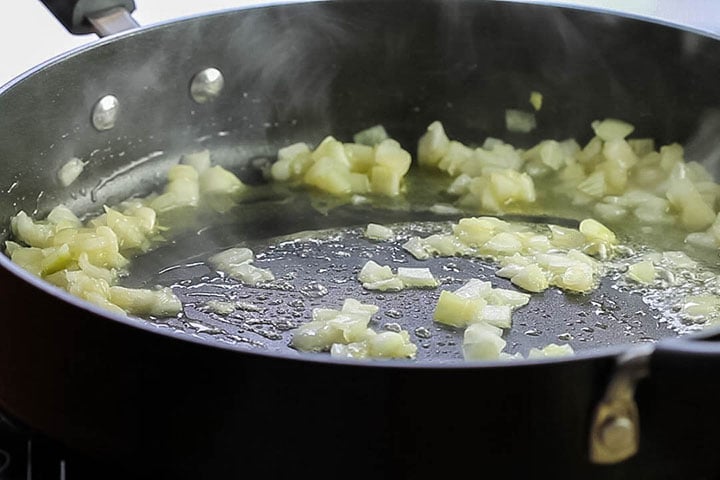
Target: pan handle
[(102, 17), (662, 403)]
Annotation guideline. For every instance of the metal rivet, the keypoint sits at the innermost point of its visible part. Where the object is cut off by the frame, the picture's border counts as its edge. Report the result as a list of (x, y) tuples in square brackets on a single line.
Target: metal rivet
[(206, 85), (105, 112), (618, 434)]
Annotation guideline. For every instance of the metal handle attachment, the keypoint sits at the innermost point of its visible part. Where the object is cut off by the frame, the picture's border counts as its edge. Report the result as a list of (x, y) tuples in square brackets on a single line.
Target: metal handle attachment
[(102, 17), (615, 429)]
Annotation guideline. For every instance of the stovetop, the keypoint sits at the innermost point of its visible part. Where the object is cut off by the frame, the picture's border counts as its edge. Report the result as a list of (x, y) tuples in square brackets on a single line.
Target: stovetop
[(24, 457), (30, 457)]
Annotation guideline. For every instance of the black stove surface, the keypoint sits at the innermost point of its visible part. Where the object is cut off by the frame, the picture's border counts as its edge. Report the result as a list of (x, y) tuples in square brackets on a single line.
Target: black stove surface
[(29, 457)]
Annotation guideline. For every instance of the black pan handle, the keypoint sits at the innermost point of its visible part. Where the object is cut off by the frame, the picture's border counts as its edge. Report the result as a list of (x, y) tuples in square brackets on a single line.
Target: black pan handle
[(679, 404), (662, 406), (85, 16)]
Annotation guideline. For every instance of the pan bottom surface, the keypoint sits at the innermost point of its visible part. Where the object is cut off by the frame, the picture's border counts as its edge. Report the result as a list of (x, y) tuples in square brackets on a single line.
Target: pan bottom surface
[(318, 268)]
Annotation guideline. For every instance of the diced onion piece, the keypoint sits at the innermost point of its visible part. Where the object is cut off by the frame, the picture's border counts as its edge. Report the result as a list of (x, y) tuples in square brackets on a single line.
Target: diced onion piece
[(218, 181), (316, 336), (391, 345), (509, 186), (702, 240), (250, 274), (385, 181), (232, 257), (595, 231), (487, 327), (329, 327), (493, 156), (594, 185), (444, 209), (359, 183), (354, 307), (324, 314), (551, 350), (417, 247), (504, 243), (620, 153), (481, 344), (567, 238), (695, 214), (460, 185), (556, 263), (612, 129), (642, 272), (333, 149), (372, 272), (445, 245), (642, 146), (537, 243), (35, 234), (389, 285), (509, 270), (531, 278), (417, 277), (389, 154), (701, 308), (679, 259), (220, 307), (11, 247), (199, 160), (237, 263), (330, 175), (503, 296), (510, 357), (454, 310), (292, 162), (496, 315), (182, 190), (591, 152), (371, 136), (474, 231), (536, 100), (160, 303), (29, 258), (578, 277), (378, 232), (95, 271), (62, 217), (361, 157), (433, 145), (55, 259), (474, 288), (129, 230), (356, 350), (70, 171), (519, 121), (351, 328), (610, 213)]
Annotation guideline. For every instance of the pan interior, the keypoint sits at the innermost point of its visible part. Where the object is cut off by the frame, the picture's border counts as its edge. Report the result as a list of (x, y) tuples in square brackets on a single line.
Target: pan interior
[(316, 258)]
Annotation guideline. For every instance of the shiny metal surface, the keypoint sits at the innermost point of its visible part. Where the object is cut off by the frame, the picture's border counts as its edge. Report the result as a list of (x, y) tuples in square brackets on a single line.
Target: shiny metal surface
[(109, 22), (105, 112), (207, 85), (615, 429)]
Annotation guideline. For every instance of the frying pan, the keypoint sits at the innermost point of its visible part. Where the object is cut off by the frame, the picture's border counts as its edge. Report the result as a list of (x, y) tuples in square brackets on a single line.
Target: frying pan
[(210, 402)]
